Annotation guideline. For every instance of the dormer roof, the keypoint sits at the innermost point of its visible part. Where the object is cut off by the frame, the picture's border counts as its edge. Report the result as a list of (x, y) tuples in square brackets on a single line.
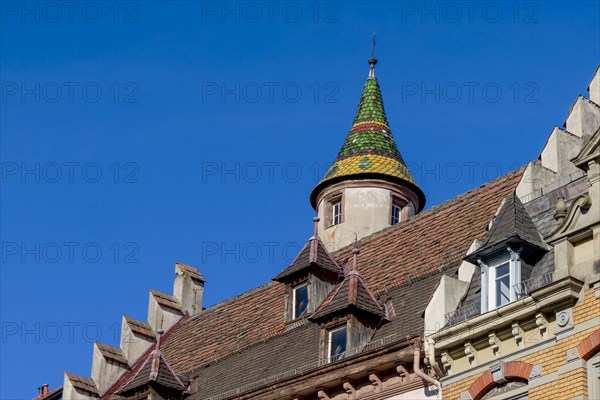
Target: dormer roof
[(511, 227), (313, 257), (156, 371), (352, 294)]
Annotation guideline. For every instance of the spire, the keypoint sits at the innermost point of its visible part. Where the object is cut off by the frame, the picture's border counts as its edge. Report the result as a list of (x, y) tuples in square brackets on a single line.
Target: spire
[(372, 60), (369, 150)]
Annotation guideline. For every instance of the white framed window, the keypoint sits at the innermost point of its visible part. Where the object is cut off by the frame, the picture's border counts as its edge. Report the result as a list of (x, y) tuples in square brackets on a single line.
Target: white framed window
[(299, 300), (498, 279), (334, 209), (336, 213), (396, 210), (337, 342)]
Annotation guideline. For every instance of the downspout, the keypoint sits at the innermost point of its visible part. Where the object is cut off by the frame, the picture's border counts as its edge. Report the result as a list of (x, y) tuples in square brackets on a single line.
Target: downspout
[(431, 358), (421, 374)]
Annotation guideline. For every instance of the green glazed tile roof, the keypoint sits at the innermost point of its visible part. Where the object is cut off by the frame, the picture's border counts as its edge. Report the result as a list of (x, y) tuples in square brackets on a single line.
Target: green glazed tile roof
[(369, 150)]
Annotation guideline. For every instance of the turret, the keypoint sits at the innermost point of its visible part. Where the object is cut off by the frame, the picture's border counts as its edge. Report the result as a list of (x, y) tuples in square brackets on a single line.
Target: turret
[(368, 187)]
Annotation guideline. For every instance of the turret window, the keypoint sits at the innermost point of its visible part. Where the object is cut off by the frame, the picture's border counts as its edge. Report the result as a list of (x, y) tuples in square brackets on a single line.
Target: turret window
[(396, 209), (337, 213), (300, 304), (338, 338), (334, 210), (400, 210)]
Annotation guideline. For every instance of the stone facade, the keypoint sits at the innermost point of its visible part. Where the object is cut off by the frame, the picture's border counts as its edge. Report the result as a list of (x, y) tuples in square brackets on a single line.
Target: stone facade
[(546, 343)]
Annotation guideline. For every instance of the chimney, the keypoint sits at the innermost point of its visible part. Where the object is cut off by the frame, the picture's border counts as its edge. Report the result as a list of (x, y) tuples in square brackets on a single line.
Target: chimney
[(188, 288), (42, 392)]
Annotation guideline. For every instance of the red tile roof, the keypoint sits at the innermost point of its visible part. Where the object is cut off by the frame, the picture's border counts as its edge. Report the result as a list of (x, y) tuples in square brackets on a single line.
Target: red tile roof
[(434, 240)]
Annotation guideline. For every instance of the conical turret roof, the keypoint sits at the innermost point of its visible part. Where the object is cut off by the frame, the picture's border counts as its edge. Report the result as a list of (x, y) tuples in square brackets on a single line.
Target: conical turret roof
[(369, 150)]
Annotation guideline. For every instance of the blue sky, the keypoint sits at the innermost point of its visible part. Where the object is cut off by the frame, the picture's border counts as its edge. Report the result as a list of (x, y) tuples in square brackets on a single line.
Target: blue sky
[(137, 134)]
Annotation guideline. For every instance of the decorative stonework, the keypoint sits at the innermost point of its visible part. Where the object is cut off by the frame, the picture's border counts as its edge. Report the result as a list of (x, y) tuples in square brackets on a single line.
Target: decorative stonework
[(471, 353), (506, 387), (512, 372), (536, 372), (375, 379), (494, 342), (517, 333), (498, 373), (403, 373), (542, 324), (572, 221), (323, 394), (447, 362), (564, 318)]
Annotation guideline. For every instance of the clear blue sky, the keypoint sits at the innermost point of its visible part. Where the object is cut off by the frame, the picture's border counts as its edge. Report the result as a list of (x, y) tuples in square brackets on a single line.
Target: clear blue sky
[(137, 134)]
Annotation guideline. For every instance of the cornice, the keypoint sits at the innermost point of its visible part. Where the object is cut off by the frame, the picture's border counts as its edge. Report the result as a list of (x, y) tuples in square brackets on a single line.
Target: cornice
[(562, 292)]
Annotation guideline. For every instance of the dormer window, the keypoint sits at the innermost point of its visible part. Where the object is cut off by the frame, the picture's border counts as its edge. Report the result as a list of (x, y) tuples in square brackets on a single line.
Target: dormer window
[(338, 339), (502, 284), (498, 280), (300, 300)]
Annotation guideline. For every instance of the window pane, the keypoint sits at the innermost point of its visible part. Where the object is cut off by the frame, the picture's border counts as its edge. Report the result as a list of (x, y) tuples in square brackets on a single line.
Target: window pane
[(337, 213), (337, 343), (502, 290), (502, 270), (300, 301), (395, 214)]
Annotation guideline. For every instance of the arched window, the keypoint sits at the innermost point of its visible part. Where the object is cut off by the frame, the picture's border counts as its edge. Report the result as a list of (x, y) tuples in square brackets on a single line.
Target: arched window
[(503, 380)]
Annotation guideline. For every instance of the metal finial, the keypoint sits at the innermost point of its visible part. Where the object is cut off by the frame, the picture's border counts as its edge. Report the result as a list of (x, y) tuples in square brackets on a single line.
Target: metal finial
[(373, 49), (372, 60)]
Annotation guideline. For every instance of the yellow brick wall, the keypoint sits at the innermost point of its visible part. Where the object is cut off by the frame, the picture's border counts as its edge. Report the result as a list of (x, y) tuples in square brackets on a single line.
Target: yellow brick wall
[(569, 385)]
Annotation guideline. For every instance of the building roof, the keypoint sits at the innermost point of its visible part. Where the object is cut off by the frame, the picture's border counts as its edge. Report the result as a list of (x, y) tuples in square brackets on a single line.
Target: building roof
[(540, 213), (352, 294), (112, 353), (369, 150), (402, 262), (166, 300), (156, 370), (190, 271), (139, 327), (82, 383), (314, 255), (512, 225)]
